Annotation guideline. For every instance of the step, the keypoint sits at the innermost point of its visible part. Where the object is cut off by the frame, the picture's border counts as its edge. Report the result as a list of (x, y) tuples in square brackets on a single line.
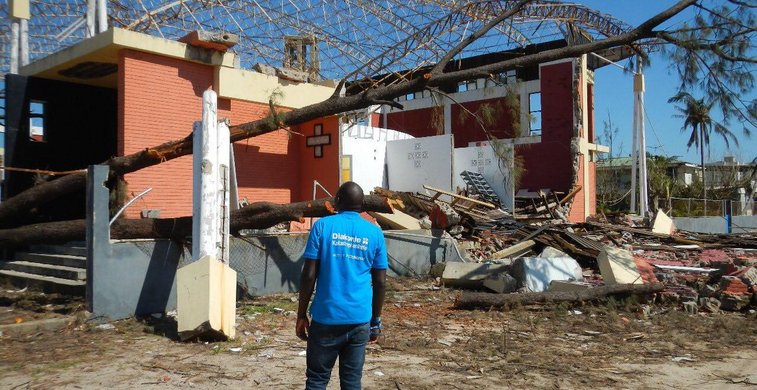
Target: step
[(57, 271), (76, 249), (47, 284), (53, 259)]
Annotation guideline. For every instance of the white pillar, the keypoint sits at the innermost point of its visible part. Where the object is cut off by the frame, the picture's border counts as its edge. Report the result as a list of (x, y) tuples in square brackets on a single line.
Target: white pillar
[(205, 206), (24, 41), (642, 139), (634, 155), (15, 33), (102, 16), (91, 11)]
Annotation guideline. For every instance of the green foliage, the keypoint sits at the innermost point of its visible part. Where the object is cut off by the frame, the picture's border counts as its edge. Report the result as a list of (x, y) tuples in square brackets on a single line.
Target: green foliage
[(662, 185), (714, 53)]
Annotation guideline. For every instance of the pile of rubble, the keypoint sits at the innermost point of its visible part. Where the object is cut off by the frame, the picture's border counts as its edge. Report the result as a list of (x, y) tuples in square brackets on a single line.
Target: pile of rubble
[(552, 257)]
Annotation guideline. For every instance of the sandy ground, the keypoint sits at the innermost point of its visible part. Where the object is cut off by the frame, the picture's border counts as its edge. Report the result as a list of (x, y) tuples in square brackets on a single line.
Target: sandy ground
[(427, 345)]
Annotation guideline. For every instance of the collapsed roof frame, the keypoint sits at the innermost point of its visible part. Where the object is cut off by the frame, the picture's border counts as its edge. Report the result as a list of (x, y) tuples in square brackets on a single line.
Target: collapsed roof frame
[(353, 35)]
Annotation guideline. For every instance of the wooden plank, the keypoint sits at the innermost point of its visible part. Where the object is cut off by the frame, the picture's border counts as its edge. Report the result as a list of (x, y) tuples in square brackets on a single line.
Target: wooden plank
[(515, 250), (458, 197), (397, 220)]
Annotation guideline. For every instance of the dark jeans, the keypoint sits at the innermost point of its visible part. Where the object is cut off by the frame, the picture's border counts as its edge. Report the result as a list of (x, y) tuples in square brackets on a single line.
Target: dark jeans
[(325, 344)]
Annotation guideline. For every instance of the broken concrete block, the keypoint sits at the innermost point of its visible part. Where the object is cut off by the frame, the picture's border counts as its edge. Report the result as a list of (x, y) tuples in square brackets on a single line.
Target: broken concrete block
[(550, 252), (709, 304), (691, 307), (536, 273), (470, 275), (749, 277), (708, 291), (567, 285), (617, 266), (206, 299), (663, 224), (733, 302), (437, 269), (501, 283)]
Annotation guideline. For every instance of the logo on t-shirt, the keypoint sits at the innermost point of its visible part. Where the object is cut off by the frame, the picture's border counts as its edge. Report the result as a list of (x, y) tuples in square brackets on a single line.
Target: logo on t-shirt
[(351, 242)]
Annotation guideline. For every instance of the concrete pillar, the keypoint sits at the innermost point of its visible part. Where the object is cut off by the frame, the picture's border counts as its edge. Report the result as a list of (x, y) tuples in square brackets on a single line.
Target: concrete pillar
[(24, 41), (97, 230), (91, 10), (205, 205), (15, 41), (102, 16)]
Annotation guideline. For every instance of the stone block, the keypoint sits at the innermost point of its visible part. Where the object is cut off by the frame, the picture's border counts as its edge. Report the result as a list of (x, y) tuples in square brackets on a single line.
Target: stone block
[(662, 223), (617, 266), (501, 283), (536, 273), (206, 299), (550, 252), (469, 275), (710, 304), (691, 307)]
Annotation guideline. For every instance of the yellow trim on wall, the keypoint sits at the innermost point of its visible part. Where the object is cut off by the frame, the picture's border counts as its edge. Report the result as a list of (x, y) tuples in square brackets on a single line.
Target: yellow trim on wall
[(258, 87)]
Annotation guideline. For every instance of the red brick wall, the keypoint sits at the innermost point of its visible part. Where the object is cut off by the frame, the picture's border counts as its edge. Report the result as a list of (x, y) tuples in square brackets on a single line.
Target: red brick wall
[(468, 130), (267, 165), (549, 163), (592, 187), (324, 169), (418, 123), (159, 98), (590, 104)]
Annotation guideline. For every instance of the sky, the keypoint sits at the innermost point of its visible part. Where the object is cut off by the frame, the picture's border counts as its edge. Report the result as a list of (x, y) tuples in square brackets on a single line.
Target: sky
[(614, 95)]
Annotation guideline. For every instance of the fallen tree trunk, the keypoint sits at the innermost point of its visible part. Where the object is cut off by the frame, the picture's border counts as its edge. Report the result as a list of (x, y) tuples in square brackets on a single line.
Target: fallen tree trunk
[(258, 215), (12, 209), (476, 300)]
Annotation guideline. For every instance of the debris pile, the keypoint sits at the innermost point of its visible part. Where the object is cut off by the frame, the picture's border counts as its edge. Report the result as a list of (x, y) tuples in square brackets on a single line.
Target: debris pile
[(549, 259)]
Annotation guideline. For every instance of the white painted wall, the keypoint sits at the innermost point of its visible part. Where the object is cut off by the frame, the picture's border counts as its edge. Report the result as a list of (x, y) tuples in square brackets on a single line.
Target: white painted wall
[(412, 163), (484, 160), (367, 148)]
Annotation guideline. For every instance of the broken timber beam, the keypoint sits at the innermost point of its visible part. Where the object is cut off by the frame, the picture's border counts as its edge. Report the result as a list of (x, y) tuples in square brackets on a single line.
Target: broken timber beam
[(570, 195), (514, 251), (456, 198), (477, 300)]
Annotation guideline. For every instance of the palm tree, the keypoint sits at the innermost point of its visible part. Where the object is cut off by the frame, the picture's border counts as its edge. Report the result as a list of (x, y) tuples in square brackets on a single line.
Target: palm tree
[(696, 115)]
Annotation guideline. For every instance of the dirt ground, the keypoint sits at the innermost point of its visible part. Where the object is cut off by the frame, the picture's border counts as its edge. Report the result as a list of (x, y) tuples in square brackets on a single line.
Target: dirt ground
[(426, 345)]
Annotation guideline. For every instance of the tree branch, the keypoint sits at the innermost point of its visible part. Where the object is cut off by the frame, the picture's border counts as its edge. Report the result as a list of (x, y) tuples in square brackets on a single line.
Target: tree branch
[(439, 67)]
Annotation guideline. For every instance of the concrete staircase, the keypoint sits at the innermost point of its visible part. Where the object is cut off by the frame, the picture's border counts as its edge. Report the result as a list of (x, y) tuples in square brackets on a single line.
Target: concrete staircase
[(50, 268)]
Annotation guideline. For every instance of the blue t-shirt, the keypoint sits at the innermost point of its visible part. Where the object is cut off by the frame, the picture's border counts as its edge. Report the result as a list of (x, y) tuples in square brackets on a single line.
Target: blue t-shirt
[(347, 247)]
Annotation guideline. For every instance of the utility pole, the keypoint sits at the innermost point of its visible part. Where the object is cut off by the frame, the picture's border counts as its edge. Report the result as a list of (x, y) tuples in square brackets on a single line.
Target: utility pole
[(639, 147)]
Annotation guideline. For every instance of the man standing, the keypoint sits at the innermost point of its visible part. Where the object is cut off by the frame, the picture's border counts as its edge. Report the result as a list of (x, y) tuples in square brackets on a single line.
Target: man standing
[(347, 256)]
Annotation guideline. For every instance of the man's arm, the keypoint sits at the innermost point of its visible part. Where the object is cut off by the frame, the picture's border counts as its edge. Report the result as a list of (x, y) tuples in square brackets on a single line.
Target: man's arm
[(307, 285), (378, 278)]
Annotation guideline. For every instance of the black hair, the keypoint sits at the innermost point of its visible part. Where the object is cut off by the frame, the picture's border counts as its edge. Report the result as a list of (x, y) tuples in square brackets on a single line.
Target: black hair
[(349, 197)]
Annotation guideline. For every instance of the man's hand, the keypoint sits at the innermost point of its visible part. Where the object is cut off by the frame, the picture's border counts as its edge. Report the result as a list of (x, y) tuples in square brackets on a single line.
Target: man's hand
[(302, 328), (375, 329)]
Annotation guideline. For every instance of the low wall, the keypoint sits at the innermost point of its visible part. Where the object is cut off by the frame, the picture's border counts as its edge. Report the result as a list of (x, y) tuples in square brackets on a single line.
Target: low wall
[(138, 277), (716, 225)]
